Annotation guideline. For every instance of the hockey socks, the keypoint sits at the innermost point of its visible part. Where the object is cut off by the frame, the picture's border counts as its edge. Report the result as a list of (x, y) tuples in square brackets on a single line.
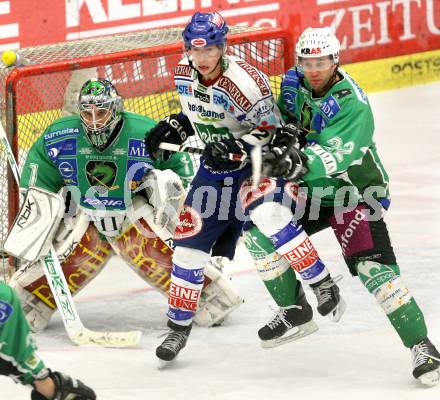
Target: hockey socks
[(279, 279), (384, 282)]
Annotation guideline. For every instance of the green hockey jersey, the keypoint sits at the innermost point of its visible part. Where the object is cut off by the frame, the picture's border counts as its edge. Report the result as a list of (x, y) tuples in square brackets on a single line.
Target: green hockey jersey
[(343, 161), (63, 156)]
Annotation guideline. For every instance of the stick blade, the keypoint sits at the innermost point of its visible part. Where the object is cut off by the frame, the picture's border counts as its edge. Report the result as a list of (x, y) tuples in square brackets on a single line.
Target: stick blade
[(107, 339)]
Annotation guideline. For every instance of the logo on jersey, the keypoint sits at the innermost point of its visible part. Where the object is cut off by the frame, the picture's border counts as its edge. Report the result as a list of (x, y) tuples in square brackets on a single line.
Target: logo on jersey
[(234, 93), (330, 107), (184, 90), (206, 115), (190, 223), (248, 196), (205, 97), (68, 170), (102, 173), (65, 147), (255, 75), (136, 148), (114, 202), (61, 132), (5, 311), (183, 70)]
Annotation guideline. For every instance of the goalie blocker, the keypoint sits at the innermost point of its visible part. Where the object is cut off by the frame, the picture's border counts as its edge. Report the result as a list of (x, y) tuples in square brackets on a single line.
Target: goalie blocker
[(144, 245)]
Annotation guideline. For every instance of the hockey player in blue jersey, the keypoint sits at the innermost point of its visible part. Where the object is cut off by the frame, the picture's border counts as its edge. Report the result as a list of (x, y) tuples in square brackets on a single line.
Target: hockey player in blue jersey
[(229, 105)]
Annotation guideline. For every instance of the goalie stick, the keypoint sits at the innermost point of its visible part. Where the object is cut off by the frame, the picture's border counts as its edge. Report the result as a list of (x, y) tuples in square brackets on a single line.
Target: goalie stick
[(78, 334)]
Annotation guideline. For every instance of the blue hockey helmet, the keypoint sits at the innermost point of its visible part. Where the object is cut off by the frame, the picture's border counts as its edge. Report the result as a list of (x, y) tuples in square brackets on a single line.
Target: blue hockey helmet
[(205, 29)]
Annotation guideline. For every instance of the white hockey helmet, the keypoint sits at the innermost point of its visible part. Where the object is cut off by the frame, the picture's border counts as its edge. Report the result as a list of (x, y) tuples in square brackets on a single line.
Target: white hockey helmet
[(317, 42)]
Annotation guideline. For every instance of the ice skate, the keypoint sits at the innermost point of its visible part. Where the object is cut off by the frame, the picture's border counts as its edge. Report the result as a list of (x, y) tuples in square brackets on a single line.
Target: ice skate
[(173, 343), (289, 323), (330, 302), (426, 363)]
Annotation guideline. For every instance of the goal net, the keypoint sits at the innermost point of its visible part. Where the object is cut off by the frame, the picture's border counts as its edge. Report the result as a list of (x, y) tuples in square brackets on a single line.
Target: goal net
[(139, 64)]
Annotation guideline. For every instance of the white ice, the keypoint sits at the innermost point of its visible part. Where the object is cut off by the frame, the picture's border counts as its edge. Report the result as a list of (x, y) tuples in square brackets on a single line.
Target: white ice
[(359, 358)]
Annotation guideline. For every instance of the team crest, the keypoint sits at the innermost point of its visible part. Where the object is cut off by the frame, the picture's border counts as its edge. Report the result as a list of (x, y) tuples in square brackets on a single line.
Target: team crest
[(248, 196), (190, 223), (102, 173)]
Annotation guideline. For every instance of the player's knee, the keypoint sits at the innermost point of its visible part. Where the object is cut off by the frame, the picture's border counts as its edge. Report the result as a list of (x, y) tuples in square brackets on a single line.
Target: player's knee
[(186, 257), (271, 217)]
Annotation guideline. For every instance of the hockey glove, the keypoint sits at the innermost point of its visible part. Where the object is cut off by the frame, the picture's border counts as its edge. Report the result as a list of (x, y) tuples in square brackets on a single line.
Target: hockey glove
[(227, 155), (282, 163), (67, 388), (289, 135), (175, 129)]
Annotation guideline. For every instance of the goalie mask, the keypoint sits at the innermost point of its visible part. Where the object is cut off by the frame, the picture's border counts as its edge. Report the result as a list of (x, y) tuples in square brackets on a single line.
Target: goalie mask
[(100, 109)]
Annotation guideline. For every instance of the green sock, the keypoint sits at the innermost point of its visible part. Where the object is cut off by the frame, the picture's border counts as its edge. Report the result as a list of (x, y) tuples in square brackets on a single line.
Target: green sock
[(384, 282), (276, 273)]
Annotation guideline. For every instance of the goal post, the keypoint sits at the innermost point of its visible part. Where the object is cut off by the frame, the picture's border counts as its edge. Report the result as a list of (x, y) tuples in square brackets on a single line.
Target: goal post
[(139, 64)]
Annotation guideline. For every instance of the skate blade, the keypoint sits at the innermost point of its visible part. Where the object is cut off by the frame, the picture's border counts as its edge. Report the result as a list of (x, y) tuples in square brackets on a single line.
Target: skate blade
[(162, 364), (336, 314), (430, 378), (302, 331)]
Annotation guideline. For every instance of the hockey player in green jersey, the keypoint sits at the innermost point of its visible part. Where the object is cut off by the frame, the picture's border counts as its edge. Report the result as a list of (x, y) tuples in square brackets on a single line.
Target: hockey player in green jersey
[(18, 358), (127, 204), (345, 183)]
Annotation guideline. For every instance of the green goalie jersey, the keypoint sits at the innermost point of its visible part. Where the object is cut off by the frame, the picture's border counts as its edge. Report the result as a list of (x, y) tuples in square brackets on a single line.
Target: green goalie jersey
[(63, 156), (341, 151)]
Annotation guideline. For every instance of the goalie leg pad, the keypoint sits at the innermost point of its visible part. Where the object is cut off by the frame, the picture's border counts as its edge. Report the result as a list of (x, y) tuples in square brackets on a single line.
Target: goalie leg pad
[(31, 234), (218, 298), (148, 250), (80, 267)]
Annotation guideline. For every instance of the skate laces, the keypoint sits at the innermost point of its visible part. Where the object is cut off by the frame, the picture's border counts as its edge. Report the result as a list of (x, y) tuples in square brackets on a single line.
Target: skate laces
[(174, 340), (280, 317), (324, 291), (420, 354)]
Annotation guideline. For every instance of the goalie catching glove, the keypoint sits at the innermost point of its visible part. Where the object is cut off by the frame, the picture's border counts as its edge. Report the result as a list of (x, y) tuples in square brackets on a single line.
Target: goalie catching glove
[(165, 193), (227, 155), (175, 129), (285, 159), (66, 388)]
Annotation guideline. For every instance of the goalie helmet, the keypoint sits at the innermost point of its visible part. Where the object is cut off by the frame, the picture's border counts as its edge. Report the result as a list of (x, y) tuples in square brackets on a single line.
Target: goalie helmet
[(100, 108), (205, 29), (317, 42)]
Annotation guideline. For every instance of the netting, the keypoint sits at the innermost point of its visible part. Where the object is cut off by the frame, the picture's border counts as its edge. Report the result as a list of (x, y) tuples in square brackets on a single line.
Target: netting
[(139, 64)]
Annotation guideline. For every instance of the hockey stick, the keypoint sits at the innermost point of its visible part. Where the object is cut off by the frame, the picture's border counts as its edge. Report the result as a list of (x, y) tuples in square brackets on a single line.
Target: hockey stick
[(78, 334), (255, 157)]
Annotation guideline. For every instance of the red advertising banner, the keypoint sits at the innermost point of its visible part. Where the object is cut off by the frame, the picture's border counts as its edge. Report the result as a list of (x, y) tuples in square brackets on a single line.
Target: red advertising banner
[(367, 29)]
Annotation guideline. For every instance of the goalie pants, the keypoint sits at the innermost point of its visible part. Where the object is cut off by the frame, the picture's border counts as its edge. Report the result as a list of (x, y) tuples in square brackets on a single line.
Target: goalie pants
[(17, 347)]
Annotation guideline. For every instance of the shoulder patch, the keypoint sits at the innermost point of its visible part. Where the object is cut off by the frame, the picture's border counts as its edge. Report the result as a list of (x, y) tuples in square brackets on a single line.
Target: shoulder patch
[(256, 76), (234, 93), (60, 133), (292, 78), (342, 93), (5, 311), (183, 71), (329, 107)]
